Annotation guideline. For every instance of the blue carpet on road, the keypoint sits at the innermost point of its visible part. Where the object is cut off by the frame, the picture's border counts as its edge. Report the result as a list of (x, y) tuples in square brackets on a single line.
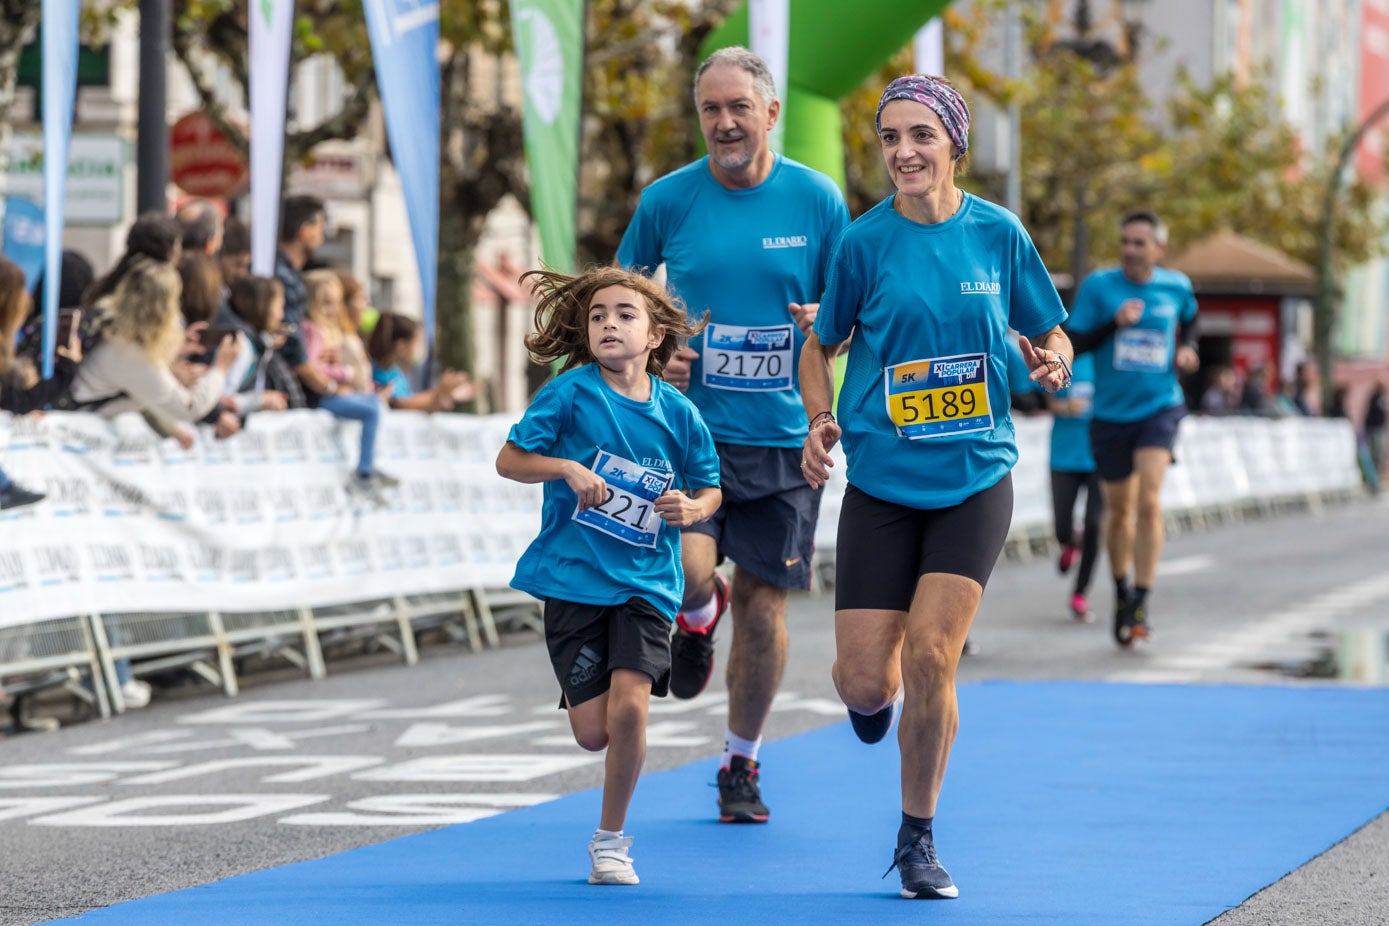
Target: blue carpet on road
[(1066, 803)]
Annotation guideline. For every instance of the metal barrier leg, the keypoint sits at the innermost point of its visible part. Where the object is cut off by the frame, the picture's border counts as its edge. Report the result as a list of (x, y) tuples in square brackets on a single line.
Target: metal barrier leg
[(312, 651), (407, 632), (230, 686), (484, 615), (108, 665), (103, 703)]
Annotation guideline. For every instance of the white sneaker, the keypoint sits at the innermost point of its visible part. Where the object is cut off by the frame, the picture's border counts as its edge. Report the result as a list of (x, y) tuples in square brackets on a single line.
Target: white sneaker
[(135, 693), (611, 864)]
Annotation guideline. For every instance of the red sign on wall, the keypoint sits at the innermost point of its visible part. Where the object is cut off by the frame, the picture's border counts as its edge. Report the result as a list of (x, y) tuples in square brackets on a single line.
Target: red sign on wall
[(203, 161)]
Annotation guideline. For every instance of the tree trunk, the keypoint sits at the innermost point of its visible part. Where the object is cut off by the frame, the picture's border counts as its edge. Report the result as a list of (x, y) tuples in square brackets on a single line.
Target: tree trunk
[(455, 333)]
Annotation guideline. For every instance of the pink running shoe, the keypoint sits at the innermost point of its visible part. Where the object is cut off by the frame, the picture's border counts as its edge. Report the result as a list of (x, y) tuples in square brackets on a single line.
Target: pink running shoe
[(1080, 608)]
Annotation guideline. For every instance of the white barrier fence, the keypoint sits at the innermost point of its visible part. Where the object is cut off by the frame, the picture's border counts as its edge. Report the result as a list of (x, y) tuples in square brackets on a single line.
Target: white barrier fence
[(148, 552)]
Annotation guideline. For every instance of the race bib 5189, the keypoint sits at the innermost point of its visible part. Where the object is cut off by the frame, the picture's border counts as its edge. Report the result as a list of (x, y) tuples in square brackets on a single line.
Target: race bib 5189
[(748, 359), (628, 512), (939, 397)]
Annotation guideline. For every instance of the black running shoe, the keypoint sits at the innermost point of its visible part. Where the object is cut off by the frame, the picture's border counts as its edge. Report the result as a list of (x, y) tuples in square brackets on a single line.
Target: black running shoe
[(871, 728), (1123, 630), (1138, 621), (740, 795), (923, 876), (16, 496), (692, 651)]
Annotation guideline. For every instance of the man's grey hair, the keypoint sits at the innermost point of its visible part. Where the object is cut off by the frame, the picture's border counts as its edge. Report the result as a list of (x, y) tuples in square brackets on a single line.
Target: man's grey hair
[(1149, 217), (200, 221), (740, 57)]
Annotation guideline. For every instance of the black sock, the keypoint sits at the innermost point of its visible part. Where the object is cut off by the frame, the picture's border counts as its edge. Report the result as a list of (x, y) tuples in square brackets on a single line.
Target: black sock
[(1140, 594), (912, 828), (1121, 588)]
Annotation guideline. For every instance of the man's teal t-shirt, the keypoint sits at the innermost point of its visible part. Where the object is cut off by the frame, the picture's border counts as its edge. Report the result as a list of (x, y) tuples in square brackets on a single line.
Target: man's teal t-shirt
[(621, 549), (1134, 373), (742, 256), (924, 406), (1070, 435)]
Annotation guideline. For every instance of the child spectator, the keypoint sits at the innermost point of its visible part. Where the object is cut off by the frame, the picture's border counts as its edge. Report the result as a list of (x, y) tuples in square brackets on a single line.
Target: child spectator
[(14, 307), (396, 340), (258, 307), (330, 338), (354, 302), (615, 446)]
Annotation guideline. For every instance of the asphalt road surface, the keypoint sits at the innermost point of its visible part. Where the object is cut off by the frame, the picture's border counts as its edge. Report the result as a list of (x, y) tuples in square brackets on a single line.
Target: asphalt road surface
[(197, 787)]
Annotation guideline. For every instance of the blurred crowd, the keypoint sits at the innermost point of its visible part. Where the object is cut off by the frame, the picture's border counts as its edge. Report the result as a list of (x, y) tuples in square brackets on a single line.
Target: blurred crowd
[(182, 332)]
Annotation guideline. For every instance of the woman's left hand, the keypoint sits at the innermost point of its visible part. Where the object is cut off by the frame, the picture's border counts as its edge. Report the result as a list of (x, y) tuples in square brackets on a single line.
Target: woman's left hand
[(1050, 369)]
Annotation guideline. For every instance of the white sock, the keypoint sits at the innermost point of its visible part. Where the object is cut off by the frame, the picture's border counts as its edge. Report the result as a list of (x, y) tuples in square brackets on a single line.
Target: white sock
[(701, 617), (607, 834), (735, 745)]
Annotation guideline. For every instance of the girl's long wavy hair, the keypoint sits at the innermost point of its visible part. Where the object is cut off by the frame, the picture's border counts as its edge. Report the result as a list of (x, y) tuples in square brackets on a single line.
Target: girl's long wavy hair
[(144, 310), (561, 315)]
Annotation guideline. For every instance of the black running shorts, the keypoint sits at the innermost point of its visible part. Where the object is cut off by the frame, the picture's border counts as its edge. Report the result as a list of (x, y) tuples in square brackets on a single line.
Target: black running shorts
[(767, 521), (1114, 443), (588, 641), (884, 548)]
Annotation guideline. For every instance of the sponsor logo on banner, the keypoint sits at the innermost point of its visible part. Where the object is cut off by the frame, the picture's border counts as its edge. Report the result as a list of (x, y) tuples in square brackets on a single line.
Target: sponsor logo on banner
[(321, 502), (389, 554), (353, 556), (68, 497), (56, 565), (276, 564), (160, 563), (208, 562), (447, 550), (12, 573), (417, 552), (133, 452), (285, 502), (290, 447), (450, 496), (252, 448), (421, 498), (211, 504), (172, 505), (243, 566), (317, 560), (246, 506)]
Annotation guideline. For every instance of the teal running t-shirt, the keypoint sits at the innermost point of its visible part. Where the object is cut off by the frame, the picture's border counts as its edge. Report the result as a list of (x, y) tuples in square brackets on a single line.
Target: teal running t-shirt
[(621, 549), (1134, 375), (1070, 434), (925, 400), (742, 256)]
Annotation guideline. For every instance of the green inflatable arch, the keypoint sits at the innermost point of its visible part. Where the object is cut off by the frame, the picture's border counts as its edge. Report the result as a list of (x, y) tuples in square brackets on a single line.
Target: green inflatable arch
[(832, 51)]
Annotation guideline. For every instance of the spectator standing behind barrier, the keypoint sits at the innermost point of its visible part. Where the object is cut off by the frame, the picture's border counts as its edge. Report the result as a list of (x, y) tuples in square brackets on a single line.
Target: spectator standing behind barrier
[(130, 369), (745, 234), (626, 461), (1140, 320), (258, 310), (1374, 425), (927, 283), (234, 259), (1221, 396), (14, 308), (152, 236), (201, 222), (1073, 469), (396, 340)]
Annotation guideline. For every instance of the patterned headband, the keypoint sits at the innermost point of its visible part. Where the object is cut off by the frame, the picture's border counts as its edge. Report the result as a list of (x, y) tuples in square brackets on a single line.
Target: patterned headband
[(941, 98)]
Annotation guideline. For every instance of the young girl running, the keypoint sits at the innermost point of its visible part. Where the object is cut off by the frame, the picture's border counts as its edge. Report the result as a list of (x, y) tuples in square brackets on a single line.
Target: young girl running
[(627, 462)]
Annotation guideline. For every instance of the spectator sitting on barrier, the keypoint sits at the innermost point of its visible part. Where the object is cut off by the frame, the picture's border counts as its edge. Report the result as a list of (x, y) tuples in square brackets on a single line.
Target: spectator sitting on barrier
[(14, 306), (330, 338), (397, 339), (258, 310), (302, 221), (1222, 396), (131, 367), (234, 260)]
